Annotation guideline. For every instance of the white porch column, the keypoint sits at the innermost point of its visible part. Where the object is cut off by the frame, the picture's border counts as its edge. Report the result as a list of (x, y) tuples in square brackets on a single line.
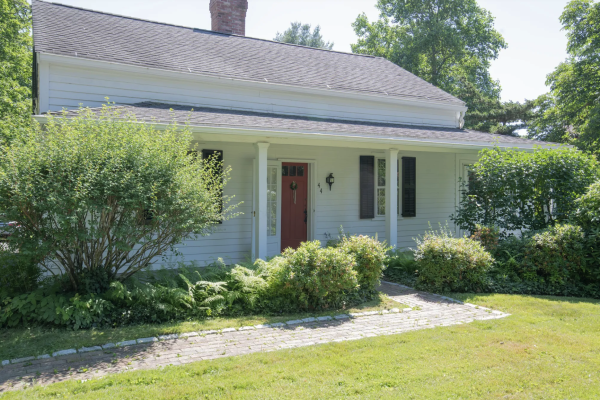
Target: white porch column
[(260, 201), (391, 197)]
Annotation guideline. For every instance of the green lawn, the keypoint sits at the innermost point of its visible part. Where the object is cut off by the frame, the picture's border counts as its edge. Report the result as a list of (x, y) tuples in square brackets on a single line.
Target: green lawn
[(15, 343), (548, 349)]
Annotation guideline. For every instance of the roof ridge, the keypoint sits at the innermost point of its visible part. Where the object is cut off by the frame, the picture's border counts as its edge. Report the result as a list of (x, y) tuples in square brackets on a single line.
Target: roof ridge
[(203, 30)]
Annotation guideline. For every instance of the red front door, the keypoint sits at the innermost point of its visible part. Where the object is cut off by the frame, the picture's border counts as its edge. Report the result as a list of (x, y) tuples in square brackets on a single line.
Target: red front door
[(294, 204)]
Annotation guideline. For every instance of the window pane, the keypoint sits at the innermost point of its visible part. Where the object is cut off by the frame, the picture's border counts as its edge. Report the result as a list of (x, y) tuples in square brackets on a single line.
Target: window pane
[(272, 201), (293, 170), (381, 201), (381, 172), (300, 171), (284, 171)]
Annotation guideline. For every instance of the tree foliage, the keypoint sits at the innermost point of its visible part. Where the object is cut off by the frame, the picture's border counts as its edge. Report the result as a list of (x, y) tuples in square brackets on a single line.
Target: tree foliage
[(516, 190), (571, 111), (15, 66), (301, 34), (101, 196), (449, 43)]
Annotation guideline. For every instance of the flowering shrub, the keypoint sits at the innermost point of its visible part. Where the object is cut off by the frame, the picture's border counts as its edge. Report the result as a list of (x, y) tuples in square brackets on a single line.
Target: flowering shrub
[(447, 264), (370, 256)]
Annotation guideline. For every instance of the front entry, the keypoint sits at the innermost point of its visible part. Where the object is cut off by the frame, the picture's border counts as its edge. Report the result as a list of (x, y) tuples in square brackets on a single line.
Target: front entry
[(294, 204)]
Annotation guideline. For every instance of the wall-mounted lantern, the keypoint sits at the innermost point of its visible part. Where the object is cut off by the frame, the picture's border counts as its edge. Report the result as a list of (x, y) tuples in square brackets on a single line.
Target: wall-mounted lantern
[(330, 180)]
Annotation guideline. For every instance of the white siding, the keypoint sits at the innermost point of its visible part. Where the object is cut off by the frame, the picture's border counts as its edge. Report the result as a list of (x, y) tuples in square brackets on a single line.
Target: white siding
[(436, 196), (69, 86)]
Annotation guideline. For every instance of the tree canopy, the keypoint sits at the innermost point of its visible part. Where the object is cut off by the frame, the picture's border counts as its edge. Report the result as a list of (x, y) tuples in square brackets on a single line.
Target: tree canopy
[(570, 112), (449, 43), (15, 67), (301, 34)]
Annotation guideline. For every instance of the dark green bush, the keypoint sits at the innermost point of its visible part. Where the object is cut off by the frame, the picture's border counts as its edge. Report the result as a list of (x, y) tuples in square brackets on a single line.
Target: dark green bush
[(18, 273), (556, 255), (370, 256), (587, 213), (448, 264), (488, 236), (509, 258)]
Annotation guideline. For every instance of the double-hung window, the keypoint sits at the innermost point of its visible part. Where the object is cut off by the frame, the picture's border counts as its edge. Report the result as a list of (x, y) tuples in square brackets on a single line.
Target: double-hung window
[(380, 186), (372, 187)]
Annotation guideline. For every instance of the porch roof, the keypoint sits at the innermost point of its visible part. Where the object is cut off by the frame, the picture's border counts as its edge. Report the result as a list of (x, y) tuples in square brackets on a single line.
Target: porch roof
[(160, 113)]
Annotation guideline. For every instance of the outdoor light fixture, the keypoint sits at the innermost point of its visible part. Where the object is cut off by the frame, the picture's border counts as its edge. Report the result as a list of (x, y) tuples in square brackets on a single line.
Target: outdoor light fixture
[(330, 180)]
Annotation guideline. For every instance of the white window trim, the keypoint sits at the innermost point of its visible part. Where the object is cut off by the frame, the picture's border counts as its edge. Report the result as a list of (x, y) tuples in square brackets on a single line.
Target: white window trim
[(379, 217), (277, 166)]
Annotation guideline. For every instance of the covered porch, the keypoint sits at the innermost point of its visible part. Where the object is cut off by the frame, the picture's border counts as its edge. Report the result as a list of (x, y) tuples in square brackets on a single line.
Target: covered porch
[(280, 165)]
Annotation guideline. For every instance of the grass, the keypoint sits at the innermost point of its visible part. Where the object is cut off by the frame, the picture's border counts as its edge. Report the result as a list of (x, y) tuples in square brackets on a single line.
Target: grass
[(548, 349), (21, 342)]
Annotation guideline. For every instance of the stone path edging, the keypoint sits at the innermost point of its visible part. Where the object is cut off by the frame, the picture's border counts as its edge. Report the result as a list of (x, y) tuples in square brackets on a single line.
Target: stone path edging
[(175, 336), (427, 311)]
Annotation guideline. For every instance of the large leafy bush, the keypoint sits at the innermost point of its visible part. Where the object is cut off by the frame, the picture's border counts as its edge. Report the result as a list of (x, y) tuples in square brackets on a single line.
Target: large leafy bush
[(103, 195), (447, 264), (518, 191), (315, 277), (556, 254), (588, 208)]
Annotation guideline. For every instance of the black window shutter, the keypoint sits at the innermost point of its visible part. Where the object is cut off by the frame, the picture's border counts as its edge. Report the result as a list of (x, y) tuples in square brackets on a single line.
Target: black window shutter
[(367, 187), (409, 187), (219, 154)]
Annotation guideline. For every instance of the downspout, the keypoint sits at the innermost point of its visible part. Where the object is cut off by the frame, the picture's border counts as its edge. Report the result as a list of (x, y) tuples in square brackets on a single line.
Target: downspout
[(34, 86)]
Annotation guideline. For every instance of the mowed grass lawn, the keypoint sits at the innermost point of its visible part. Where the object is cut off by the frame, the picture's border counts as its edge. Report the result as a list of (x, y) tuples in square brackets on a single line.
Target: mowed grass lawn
[(548, 349)]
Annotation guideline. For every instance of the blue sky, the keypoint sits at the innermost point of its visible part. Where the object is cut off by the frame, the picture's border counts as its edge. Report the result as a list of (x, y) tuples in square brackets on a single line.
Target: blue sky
[(531, 28)]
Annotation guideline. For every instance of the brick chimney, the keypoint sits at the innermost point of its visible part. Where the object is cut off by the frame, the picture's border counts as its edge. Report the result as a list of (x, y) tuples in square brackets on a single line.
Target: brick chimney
[(229, 16)]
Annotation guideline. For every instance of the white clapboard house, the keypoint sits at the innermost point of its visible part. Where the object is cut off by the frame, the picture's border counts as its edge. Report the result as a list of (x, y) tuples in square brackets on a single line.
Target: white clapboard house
[(316, 139)]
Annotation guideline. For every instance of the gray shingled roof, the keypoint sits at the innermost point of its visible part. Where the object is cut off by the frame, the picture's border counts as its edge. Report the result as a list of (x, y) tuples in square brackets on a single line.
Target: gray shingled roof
[(70, 31), (212, 117)]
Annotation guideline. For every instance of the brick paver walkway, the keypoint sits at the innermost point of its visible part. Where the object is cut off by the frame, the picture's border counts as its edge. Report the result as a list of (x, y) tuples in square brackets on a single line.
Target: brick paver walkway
[(428, 311)]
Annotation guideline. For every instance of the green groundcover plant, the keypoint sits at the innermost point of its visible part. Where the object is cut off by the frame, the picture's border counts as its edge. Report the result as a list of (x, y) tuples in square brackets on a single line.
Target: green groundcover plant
[(309, 278)]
